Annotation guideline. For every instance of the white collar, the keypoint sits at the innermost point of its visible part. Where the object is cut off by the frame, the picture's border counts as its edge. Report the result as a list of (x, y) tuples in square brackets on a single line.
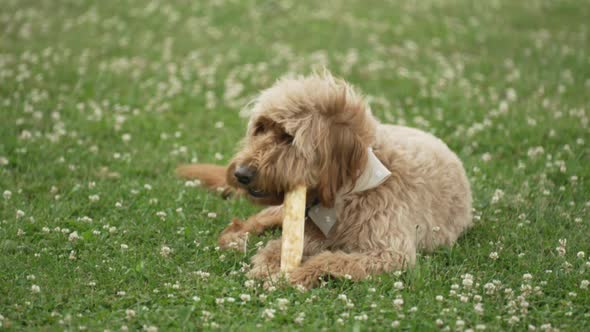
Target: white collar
[(375, 174)]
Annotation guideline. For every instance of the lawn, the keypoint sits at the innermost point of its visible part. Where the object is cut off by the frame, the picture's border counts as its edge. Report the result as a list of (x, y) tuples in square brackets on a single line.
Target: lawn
[(100, 100)]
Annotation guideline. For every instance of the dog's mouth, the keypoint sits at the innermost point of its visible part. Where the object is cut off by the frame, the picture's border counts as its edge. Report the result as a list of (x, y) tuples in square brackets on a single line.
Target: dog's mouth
[(257, 193), (262, 197)]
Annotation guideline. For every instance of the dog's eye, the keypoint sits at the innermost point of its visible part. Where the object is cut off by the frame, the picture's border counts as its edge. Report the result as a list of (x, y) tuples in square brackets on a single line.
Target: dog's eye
[(259, 129), (286, 138)]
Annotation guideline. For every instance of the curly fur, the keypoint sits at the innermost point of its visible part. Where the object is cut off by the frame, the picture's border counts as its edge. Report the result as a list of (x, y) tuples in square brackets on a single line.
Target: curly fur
[(316, 130)]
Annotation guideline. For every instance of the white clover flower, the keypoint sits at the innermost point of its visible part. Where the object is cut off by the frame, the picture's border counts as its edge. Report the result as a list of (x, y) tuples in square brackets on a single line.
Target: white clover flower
[(7, 194), (20, 214), (398, 302), (467, 283), (212, 215), (546, 327), (268, 314), (513, 320), (124, 246), (498, 195), (362, 317), (150, 328), (561, 250), (395, 324), (299, 319), (398, 285), (439, 298), (130, 314), (245, 297), (249, 283), (35, 289), (527, 277), (205, 315), (494, 255), (165, 251), (192, 184), (478, 307), (73, 237), (584, 284), (580, 255)]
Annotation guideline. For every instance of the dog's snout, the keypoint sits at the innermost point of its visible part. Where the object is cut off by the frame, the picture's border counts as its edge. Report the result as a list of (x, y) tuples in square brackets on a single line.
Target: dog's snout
[(245, 174)]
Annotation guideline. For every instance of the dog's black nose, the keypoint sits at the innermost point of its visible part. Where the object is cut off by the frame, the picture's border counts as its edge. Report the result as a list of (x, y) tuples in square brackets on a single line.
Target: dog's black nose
[(244, 174)]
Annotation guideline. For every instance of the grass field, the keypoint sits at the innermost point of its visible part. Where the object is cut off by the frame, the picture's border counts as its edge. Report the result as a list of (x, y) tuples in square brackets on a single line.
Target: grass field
[(100, 100)]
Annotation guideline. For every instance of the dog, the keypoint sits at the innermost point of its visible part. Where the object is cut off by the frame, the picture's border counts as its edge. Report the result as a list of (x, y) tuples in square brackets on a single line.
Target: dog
[(376, 193)]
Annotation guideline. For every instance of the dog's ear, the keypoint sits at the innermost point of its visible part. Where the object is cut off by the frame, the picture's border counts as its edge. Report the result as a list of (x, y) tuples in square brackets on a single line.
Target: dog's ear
[(342, 158)]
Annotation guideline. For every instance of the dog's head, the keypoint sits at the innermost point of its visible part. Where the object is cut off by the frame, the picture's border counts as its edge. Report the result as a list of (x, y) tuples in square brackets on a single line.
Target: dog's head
[(312, 130)]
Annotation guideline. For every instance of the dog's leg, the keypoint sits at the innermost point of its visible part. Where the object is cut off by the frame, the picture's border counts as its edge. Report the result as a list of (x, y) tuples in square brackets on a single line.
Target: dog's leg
[(355, 266), (267, 261), (211, 176), (234, 236)]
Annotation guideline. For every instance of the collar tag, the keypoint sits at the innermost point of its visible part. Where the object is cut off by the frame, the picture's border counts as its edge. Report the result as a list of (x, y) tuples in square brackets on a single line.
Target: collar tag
[(375, 174)]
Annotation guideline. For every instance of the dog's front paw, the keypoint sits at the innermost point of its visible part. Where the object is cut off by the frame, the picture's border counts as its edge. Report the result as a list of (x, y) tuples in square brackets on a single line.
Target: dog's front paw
[(303, 278), (267, 262), (234, 236), (263, 272)]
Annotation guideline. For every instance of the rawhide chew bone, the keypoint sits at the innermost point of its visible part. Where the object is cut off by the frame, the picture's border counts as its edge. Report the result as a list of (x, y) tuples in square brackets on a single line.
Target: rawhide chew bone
[(293, 223)]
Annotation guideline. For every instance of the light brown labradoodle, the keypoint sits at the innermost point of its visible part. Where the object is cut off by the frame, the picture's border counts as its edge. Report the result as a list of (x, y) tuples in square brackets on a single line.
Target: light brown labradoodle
[(377, 193)]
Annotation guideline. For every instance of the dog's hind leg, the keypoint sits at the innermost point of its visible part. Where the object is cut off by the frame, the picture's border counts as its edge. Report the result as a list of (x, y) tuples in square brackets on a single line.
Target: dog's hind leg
[(234, 236), (211, 176), (355, 266)]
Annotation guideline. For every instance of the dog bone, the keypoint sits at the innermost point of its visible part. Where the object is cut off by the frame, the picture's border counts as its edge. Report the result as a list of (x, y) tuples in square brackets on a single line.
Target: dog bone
[(293, 223)]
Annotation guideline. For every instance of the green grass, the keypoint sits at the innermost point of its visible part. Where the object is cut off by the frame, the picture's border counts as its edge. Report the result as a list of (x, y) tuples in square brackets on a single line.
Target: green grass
[(505, 83)]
